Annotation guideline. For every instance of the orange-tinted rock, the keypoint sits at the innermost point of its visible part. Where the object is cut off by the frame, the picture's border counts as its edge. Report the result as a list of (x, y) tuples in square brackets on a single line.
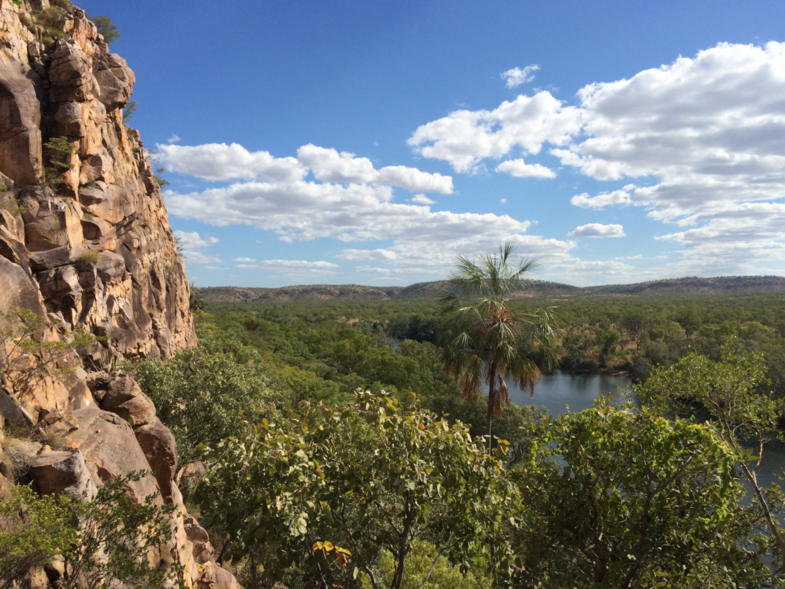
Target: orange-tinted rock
[(160, 449), (123, 397), (62, 472), (109, 448)]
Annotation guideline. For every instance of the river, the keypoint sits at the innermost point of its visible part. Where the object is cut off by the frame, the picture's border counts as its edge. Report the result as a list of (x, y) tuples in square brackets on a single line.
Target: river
[(560, 389)]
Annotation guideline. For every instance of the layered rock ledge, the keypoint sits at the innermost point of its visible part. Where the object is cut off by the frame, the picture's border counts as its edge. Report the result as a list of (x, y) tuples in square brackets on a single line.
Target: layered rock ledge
[(85, 242)]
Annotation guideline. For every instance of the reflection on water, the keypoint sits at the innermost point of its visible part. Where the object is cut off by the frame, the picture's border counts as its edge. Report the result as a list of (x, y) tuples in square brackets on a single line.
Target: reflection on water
[(559, 390)]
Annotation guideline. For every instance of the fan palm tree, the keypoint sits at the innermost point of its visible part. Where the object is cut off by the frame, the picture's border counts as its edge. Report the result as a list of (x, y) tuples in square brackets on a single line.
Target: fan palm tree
[(485, 336)]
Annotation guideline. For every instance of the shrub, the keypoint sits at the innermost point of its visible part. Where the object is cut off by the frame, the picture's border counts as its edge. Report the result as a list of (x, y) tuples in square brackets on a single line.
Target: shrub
[(108, 538), (57, 151), (27, 22), (33, 530), (159, 178), (323, 496), (444, 575), (197, 298), (635, 501), (129, 110), (86, 260), (25, 353), (203, 397), (51, 20), (106, 28)]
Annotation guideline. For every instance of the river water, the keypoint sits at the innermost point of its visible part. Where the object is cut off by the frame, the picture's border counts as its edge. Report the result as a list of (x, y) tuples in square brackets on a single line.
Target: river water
[(560, 389)]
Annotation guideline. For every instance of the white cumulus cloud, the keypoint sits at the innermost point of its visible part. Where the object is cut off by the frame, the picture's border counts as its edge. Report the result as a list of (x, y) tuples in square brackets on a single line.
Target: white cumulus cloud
[(597, 230), (423, 241), (422, 199), (219, 161), (517, 76), (329, 165), (464, 138), (294, 264), (520, 169), (193, 244), (703, 137), (604, 199), (356, 255)]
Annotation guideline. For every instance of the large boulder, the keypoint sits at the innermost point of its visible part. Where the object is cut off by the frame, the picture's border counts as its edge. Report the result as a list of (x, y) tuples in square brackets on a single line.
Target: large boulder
[(18, 290), (115, 80), (203, 550), (160, 449), (63, 472), (190, 476), (20, 121), (70, 74), (41, 394), (217, 577), (123, 397), (50, 221), (109, 447)]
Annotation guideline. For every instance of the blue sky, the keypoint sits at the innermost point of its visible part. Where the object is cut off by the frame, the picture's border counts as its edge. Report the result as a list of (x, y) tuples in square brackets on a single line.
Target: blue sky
[(373, 142)]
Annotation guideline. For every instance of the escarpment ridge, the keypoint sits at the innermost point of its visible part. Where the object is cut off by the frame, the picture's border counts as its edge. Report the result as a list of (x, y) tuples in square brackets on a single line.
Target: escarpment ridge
[(85, 244), (717, 286)]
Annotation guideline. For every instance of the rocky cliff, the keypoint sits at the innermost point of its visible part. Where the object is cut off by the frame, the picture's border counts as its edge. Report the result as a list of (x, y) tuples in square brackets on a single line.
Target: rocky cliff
[(85, 243)]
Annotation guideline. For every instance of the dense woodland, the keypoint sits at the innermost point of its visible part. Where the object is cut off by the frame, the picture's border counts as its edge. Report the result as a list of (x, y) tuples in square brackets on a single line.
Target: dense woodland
[(596, 333), (340, 454), (349, 444)]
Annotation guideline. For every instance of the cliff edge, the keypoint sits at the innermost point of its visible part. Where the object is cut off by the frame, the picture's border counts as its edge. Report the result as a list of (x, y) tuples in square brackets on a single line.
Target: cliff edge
[(86, 246), (84, 236)]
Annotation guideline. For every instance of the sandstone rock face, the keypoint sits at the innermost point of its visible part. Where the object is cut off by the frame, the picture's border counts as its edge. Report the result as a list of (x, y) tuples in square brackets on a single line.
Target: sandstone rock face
[(160, 449), (20, 120), (109, 447), (107, 202), (5, 489), (63, 472), (87, 245), (123, 397)]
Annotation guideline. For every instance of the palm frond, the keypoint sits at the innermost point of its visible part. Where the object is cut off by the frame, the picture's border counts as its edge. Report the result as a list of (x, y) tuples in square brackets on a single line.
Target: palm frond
[(483, 327)]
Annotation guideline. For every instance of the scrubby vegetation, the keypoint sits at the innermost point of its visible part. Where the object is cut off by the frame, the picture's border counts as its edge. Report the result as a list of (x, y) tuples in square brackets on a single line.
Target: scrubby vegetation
[(58, 152), (87, 260), (106, 28), (96, 541), (312, 484), (339, 452), (27, 352)]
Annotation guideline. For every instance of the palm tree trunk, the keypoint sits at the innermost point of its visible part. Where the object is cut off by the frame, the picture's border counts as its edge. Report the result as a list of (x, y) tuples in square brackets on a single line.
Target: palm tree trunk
[(491, 400)]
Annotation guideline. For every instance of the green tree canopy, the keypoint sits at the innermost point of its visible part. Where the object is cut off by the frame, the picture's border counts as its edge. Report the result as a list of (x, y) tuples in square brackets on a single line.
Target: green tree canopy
[(106, 28), (326, 494), (204, 397), (742, 409), (638, 501), (101, 542)]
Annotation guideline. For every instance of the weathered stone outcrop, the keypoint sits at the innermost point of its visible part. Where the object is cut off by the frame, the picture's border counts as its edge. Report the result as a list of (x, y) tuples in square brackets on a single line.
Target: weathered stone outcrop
[(107, 202), (87, 245), (63, 472)]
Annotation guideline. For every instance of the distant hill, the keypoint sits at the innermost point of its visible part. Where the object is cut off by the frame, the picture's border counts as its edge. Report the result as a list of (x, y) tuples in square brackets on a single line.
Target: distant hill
[(723, 285)]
